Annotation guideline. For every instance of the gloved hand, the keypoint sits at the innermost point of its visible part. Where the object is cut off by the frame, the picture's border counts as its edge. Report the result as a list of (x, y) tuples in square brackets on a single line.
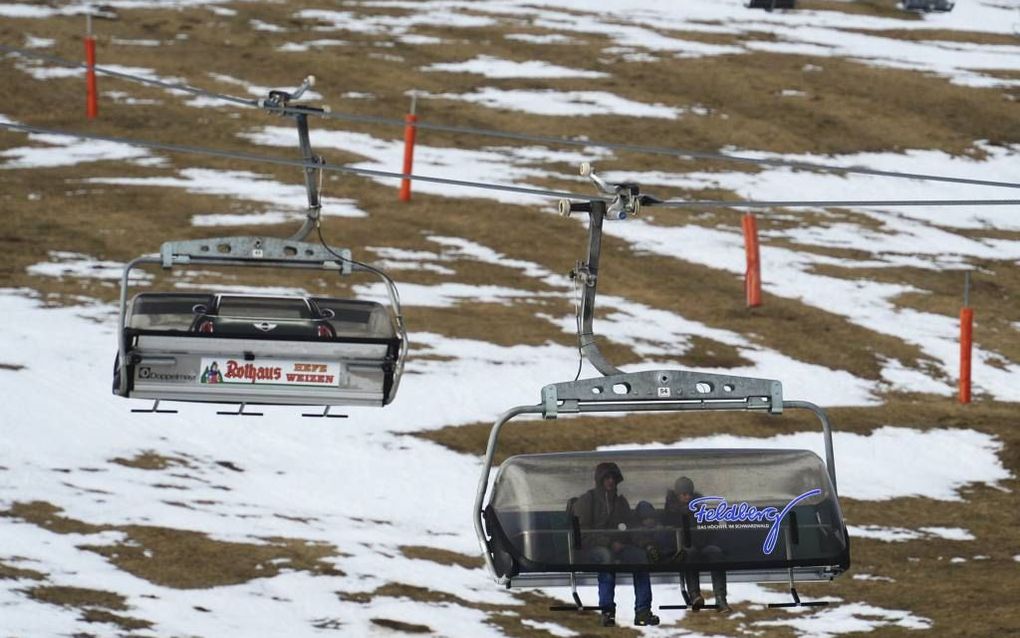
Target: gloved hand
[(678, 557), (653, 553)]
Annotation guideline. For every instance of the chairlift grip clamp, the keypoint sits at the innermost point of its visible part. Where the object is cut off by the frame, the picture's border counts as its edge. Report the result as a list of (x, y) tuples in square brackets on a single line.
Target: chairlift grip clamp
[(551, 406), (583, 273), (776, 398), (168, 259)]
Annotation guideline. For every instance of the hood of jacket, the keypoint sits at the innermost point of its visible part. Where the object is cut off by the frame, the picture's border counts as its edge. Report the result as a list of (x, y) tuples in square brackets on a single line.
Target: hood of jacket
[(602, 470)]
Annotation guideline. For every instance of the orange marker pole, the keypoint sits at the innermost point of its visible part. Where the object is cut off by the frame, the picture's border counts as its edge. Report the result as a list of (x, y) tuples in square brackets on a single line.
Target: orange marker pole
[(91, 94), (752, 276), (966, 341), (409, 134)]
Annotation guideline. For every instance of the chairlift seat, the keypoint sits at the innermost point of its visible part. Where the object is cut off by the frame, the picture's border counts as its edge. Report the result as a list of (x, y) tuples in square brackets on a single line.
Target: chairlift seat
[(532, 541)]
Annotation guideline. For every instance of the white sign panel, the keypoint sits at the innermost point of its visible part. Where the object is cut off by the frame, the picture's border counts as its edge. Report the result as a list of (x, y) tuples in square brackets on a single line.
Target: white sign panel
[(269, 372)]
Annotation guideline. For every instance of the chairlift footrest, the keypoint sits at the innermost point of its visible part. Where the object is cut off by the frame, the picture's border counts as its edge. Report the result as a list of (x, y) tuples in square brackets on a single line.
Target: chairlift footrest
[(803, 603), (574, 608)]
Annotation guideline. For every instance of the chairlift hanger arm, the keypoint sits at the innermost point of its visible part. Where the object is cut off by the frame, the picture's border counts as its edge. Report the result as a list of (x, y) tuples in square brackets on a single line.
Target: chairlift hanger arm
[(624, 200), (276, 102)]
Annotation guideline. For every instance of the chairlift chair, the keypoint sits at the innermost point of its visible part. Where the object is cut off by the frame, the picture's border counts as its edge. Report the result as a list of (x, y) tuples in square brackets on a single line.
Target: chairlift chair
[(223, 348), (172, 348), (770, 5), (941, 6), (771, 515)]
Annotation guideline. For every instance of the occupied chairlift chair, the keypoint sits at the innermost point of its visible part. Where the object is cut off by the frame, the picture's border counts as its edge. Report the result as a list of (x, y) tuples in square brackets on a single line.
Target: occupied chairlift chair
[(770, 5), (161, 356), (770, 516), (941, 6)]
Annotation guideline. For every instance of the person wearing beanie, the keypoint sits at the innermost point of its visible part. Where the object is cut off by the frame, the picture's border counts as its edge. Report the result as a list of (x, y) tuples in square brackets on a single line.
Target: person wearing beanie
[(677, 509), (604, 508)]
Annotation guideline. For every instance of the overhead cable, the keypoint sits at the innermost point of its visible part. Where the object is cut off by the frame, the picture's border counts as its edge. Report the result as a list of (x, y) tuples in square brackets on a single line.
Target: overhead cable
[(525, 137), (326, 166), (365, 172), (128, 76)]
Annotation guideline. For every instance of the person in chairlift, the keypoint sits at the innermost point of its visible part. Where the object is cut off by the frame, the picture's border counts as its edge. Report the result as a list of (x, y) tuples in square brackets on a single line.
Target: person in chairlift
[(678, 502), (604, 508)]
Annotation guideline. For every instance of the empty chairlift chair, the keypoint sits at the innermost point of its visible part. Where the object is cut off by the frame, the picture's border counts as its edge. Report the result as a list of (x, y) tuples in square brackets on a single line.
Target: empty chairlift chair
[(259, 349)]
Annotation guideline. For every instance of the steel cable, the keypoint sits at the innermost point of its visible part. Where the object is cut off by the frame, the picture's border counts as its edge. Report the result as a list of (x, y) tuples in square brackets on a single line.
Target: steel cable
[(524, 137), (365, 172)]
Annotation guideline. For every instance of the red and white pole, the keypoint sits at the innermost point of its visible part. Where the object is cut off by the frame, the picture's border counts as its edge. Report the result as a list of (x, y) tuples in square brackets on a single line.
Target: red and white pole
[(91, 94), (966, 341), (752, 276), (410, 129)]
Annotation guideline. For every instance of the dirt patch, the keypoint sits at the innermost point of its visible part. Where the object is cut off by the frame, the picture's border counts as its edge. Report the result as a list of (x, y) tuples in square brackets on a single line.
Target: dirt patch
[(190, 560), (10, 572), (399, 625), (879, 8), (184, 559), (96, 605), (150, 460), (441, 556), (941, 35)]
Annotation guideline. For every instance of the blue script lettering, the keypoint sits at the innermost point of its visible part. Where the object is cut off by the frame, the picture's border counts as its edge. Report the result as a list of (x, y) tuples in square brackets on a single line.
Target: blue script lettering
[(744, 512)]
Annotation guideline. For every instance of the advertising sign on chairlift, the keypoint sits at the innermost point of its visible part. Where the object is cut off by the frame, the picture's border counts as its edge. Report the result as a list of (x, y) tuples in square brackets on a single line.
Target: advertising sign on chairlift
[(270, 372)]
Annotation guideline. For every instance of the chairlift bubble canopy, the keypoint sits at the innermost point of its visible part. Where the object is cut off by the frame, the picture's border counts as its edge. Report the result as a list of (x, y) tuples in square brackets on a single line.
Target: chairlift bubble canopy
[(754, 510), (259, 349), (769, 5), (766, 515), (928, 5)]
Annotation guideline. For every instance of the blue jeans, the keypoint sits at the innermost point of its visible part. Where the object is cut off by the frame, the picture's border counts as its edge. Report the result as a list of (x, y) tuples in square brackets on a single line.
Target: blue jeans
[(607, 580)]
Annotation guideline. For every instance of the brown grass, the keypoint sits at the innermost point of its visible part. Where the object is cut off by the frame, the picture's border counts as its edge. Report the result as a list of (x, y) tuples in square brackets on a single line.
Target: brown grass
[(183, 559), (941, 35), (96, 605), (401, 626), (150, 460), (880, 8), (10, 572), (441, 556)]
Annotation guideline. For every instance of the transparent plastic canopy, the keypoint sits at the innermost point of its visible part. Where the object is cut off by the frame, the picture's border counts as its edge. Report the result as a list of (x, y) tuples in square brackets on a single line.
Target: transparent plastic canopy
[(744, 509)]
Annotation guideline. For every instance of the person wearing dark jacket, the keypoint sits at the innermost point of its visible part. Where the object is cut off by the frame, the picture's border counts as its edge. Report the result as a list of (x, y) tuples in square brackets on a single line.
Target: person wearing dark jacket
[(658, 542), (677, 508), (604, 508)]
